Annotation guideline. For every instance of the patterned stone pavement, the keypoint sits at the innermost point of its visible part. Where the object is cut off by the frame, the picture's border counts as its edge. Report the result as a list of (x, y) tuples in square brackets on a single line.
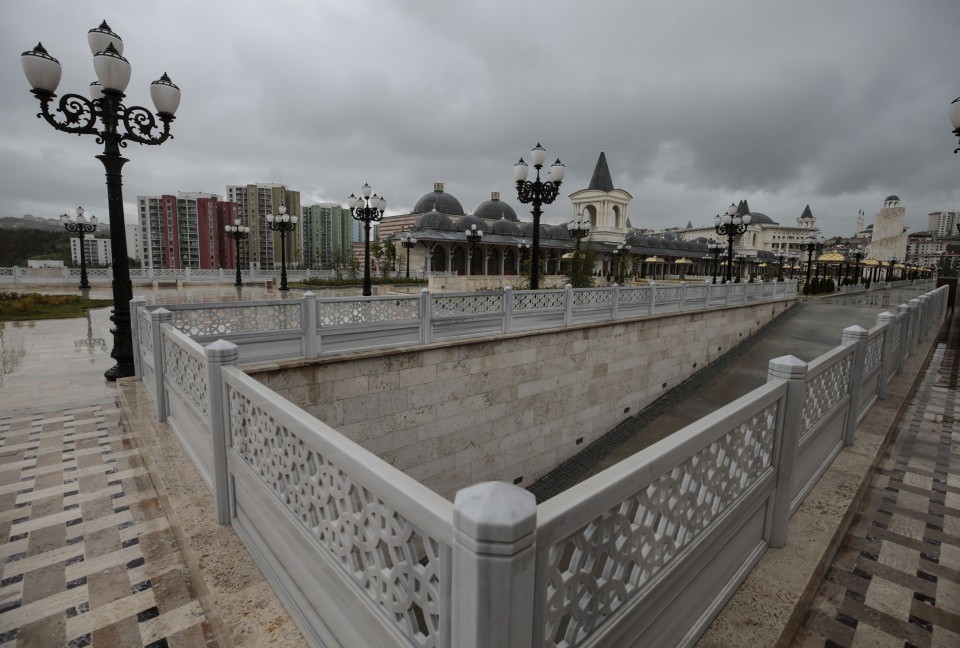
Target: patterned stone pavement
[(88, 556), (895, 581)]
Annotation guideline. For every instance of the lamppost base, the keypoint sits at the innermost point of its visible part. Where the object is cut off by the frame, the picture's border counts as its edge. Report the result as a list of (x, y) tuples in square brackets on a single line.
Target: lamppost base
[(119, 371)]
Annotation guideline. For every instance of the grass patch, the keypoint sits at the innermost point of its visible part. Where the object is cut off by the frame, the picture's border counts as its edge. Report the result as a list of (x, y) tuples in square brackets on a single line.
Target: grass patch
[(17, 307)]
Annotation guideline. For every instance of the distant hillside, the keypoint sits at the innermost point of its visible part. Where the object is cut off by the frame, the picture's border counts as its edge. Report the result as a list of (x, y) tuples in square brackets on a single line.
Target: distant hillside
[(18, 245), (35, 238)]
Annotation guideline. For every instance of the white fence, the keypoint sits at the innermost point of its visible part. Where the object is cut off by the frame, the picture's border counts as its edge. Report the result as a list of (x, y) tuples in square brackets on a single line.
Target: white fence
[(307, 327), (646, 552)]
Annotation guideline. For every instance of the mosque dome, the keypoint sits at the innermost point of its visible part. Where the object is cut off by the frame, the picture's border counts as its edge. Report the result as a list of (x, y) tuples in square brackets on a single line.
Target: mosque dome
[(433, 220), (526, 229), (471, 219), (495, 209), (505, 227), (892, 198), (440, 201), (559, 232), (757, 218)]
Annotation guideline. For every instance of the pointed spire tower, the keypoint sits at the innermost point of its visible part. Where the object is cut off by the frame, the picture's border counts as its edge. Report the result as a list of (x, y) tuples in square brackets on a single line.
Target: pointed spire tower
[(605, 206)]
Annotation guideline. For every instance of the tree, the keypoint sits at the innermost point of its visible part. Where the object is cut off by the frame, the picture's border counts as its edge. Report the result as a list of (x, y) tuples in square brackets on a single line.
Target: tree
[(580, 268)]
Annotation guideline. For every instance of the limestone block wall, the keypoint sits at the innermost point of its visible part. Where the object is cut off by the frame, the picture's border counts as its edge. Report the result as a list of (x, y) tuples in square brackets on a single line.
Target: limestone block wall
[(511, 408)]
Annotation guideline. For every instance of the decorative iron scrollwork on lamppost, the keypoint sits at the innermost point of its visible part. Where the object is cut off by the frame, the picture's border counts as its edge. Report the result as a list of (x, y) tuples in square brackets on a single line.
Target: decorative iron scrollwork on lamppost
[(538, 192), (367, 209), (114, 125)]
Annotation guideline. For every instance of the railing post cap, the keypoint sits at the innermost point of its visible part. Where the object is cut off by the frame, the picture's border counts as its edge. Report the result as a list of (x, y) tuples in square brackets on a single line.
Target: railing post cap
[(495, 511), (160, 312), (309, 294), (424, 290), (508, 287), (886, 315), (221, 348), (855, 330), (787, 366)]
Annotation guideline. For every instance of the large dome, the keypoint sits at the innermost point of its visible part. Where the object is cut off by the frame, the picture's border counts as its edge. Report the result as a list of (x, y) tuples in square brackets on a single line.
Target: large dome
[(496, 209), (439, 201), (756, 218)]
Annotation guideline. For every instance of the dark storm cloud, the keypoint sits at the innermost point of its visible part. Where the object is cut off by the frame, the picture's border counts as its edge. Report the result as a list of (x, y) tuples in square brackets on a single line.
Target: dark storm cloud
[(695, 103)]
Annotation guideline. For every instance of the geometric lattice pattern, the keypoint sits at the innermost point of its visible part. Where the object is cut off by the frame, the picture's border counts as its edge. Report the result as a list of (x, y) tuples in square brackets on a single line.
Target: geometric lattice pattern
[(344, 313), (186, 370), (669, 294), (590, 297), (214, 320), (824, 391), (874, 353), (635, 295), (381, 551), (596, 570), (145, 329), (538, 300), (450, 306)]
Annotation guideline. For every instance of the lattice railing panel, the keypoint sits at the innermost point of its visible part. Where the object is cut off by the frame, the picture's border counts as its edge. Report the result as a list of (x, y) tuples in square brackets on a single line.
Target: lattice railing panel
[(697, 292), (395, 564), (634, 296), (479, 304), (668, 293), (243, 319), (362, 312), (596, 570), (589, 297), (188, 372), (874, 353), (145, 329), (824, 391), (538, 300)]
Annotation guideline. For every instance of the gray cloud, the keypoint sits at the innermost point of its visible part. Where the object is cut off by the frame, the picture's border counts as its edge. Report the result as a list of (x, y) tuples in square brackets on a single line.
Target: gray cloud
[(695, 103)]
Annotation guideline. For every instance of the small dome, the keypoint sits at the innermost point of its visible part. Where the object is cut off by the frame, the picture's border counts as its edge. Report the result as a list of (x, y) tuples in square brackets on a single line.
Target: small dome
[(892, 198), (526, 229), (505, 227), (470, 219), (756, 218), (559, 232), (438, 200), (433, 220), (635, 239), (495, 209)]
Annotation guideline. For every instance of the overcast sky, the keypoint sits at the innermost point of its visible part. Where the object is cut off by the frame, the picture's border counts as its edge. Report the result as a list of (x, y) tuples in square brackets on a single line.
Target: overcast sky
[(697, 103)]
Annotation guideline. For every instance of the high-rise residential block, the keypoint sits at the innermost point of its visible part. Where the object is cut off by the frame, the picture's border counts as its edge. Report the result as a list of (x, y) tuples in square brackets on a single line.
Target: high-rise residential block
[(254, 203)]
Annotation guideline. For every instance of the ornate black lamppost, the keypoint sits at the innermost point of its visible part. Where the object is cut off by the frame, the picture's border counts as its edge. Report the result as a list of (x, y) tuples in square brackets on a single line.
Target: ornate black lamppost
[(283, 223), (367, 209), (522, 248), (408, 243), (579, 229), (539, 193), (113, 124), (810, 245), (731, 225), (955, 120), (474, 236), (81, 227), (857, 254), (238, 233), (715, 247), (619, 251), (780, 267)]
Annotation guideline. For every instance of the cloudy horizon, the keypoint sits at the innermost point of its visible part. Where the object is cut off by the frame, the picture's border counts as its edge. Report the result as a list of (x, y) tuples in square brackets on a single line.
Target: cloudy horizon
[(695, 104)]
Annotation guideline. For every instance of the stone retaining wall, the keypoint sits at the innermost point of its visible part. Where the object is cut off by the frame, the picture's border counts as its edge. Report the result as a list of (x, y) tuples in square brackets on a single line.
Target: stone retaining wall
[(508, 409)]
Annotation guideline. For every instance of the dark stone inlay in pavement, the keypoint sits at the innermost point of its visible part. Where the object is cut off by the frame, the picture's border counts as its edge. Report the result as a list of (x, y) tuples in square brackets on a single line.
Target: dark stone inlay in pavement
[(149, 613)]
